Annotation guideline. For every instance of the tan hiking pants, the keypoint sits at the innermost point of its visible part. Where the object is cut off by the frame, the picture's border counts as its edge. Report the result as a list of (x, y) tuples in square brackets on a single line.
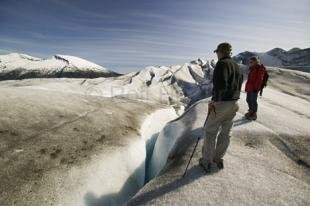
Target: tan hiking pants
[(217, 131)]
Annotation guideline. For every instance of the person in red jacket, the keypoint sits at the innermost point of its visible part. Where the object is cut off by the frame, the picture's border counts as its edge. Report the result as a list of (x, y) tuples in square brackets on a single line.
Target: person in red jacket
[(253, 86)]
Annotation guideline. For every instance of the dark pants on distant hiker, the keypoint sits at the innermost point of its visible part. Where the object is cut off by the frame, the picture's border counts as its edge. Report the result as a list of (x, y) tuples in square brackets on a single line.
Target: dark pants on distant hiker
[(261, 91), (251, 99)]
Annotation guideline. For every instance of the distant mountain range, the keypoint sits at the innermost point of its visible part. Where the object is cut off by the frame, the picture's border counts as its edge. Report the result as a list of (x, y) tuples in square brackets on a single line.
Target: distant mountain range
[(23, 66), (296, 58)]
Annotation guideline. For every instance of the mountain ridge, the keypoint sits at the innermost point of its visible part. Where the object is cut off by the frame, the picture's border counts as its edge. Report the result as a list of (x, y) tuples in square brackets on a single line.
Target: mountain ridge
[(295, 58)]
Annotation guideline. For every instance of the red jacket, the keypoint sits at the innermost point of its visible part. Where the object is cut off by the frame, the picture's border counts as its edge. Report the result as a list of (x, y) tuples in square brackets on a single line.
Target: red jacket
[(255, 78)]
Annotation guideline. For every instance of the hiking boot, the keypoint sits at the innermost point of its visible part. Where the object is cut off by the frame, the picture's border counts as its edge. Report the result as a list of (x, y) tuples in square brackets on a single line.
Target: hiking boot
[(248, 114), (220, 164), (207, 167), (253, 117)]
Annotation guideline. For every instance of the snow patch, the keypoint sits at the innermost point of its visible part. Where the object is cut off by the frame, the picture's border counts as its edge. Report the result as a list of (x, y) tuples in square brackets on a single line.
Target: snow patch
[(79, 62)]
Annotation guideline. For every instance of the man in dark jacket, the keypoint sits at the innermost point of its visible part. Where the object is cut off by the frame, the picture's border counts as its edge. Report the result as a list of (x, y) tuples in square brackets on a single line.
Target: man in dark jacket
[(253, 86), (227, 82)]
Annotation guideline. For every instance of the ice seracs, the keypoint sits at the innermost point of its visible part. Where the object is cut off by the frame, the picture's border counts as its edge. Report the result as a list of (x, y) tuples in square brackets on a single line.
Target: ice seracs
[(176, 84)]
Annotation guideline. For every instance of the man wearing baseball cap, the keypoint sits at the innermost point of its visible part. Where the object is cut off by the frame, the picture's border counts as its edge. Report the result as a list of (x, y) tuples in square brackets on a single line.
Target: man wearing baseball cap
[(227, 82)]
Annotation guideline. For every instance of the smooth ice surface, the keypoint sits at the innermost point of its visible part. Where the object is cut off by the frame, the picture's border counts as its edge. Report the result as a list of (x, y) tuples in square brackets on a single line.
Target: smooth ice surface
[(266, 164)]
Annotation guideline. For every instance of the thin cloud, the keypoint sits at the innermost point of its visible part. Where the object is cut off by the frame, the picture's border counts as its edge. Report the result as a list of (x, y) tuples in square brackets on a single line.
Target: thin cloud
[(156, 32)]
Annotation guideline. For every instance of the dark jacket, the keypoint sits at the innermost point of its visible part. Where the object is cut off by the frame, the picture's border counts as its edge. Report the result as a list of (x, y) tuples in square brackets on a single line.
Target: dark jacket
[(255, 78), (227, 80)]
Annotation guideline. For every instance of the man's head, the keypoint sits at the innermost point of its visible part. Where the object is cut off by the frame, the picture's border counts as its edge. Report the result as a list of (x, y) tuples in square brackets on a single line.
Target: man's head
[(254, 60), (223, 50)]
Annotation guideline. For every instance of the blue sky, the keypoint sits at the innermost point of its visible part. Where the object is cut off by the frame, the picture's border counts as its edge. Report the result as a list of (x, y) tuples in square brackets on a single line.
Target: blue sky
[(127, 35)]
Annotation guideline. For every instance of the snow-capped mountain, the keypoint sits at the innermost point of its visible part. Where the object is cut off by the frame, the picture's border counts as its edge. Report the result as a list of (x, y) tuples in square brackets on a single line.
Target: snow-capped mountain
[(295, 58), (23, 66)]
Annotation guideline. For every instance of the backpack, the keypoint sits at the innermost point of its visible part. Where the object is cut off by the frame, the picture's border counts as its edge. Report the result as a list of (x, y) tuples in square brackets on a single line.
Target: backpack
[(265, 79)]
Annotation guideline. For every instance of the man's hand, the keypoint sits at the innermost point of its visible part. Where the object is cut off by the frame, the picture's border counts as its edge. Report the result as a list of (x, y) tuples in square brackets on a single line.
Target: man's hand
[(211, 107)]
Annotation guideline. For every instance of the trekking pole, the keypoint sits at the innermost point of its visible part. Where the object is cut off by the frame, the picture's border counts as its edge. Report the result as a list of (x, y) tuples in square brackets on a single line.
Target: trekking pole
[(191, 157)]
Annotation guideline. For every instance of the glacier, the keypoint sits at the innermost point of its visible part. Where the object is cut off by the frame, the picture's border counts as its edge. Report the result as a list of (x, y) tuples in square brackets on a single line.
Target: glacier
[(75, 117), (266, 163), (125, 140)]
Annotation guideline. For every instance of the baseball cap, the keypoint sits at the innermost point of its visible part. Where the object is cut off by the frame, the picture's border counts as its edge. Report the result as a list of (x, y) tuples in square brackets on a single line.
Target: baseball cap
[(224, 47)]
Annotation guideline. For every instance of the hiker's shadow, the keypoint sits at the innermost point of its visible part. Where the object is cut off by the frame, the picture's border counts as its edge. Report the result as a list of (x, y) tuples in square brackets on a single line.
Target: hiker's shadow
[(192, 174), (130, 187), (119, 198), (241, 121)]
